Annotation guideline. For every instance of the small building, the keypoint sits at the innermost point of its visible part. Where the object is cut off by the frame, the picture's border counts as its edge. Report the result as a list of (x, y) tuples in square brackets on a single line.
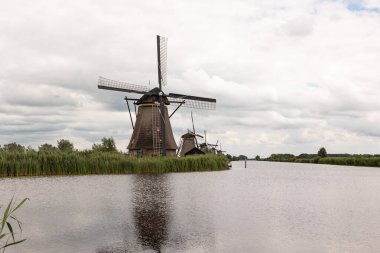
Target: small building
[(194, 151)]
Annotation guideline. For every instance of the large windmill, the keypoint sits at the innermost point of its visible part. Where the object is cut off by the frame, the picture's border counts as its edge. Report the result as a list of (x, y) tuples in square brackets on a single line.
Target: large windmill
[(152, 133)]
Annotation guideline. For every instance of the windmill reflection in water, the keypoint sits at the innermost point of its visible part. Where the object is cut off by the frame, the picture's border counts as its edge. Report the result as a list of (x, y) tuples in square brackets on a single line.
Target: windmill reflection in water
[(151, 214)]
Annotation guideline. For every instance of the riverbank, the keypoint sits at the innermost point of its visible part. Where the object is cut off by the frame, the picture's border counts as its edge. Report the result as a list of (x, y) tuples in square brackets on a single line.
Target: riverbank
[(348, 161), (366, 161), (15, 164)]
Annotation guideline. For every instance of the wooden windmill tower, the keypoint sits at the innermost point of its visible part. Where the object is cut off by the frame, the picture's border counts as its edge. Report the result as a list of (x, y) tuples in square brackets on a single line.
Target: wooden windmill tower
[(152, 134), (189, 143)]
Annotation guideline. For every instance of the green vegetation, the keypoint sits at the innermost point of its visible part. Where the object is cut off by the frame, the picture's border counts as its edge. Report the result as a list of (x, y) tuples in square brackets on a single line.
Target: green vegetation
[(107, 145), (16, 161), (65, 145), (323, 158), (322, 152), (372, 161), (281, 158), (13, 147), (237, 158), (7, 223), (46, 148), (14, 164)]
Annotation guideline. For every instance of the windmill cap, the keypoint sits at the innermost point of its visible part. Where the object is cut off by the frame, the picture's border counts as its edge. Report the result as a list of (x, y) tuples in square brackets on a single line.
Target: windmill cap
[(188, 135), (153, 96)]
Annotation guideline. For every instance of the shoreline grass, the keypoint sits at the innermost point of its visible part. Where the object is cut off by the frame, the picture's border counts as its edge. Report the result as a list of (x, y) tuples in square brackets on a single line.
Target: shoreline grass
[(346, 161), (17, 164)]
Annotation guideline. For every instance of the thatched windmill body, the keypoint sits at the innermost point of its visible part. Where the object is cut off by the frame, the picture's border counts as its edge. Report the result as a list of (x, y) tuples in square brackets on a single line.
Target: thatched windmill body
[(189, 143), (152, 134)]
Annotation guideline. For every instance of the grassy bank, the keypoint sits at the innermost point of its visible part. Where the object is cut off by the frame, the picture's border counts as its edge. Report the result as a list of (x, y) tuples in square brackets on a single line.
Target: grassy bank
[(348, 161), (14, 164)]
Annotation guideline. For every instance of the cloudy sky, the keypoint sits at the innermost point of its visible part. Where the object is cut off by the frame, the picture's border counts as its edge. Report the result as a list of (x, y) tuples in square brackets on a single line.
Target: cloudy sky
[(289, 76)]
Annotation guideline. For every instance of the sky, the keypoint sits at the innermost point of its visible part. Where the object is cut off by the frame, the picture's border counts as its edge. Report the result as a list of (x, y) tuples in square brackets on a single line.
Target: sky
[(289, 76)]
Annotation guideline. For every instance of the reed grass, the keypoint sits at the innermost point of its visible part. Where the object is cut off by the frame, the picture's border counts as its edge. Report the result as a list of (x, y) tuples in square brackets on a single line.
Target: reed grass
[(347, 161), (352, 161), (15, 164), (8, 222)]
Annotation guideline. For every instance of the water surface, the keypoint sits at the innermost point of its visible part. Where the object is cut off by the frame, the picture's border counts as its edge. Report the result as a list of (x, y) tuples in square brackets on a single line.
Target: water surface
[(267, 207)]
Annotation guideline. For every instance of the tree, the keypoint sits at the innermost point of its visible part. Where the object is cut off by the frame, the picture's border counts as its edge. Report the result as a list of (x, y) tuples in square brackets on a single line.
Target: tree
[(107, 145), (65, 145), (47, 148), (97, 147), (257, 157), (234, 158), (30, 149), (242, 157), (14, 147), (322, 152), (282, 157)]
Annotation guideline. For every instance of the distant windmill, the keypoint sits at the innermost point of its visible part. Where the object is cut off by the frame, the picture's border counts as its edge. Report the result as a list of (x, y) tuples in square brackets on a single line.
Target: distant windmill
[(189, 143), (220, 151), (210, 148), (152, 134)]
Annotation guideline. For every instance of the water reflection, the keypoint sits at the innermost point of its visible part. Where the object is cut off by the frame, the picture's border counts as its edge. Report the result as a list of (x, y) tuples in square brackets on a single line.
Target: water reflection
[(151, 214), (151, 211)]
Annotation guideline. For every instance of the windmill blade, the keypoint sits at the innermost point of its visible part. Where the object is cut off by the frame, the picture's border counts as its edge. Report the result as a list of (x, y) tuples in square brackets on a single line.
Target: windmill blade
[(192, 121), (108, 84), (162, 44), (193, 101), (161, 58), (179, 147), (191, 132)]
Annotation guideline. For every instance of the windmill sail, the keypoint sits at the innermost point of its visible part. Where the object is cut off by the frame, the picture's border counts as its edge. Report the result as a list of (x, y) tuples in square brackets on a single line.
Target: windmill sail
[(193, 101), (108, 84), (162, 56)]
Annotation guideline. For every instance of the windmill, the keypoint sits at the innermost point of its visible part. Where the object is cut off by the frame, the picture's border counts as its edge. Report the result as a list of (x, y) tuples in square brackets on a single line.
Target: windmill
[(210, 148), (189, 143), (220, 151), (152, 133)]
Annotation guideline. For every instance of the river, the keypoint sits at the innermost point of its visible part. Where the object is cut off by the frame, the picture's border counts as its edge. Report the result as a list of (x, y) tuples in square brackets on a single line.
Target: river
[(266, 207)]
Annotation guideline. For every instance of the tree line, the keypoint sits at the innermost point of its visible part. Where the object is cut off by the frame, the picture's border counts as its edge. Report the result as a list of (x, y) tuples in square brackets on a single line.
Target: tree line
[(322, 157), (291, 158), (107, 144)]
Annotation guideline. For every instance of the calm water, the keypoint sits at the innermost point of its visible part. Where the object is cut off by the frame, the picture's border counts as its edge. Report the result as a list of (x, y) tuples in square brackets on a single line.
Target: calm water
[(268, 207)]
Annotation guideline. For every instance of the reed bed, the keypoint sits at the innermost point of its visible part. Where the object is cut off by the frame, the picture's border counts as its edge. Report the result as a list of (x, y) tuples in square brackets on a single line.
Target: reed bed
[(15, 164), (348, 161)]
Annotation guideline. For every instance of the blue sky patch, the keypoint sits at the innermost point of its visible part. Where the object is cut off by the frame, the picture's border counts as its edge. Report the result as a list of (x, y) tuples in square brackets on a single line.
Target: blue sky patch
[(360, 6)]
